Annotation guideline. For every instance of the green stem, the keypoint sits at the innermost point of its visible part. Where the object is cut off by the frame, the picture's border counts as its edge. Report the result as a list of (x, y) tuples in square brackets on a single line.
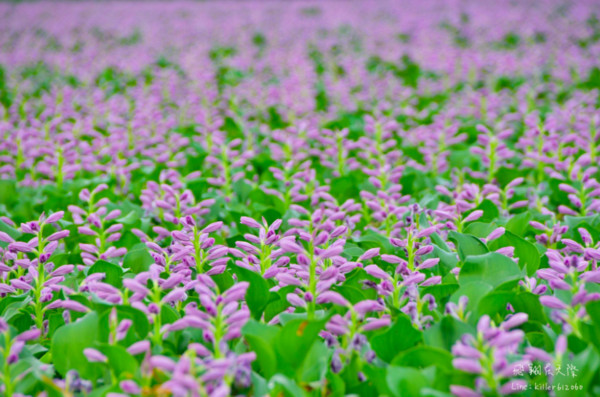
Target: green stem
[(492, 170), (312, 286), (41, 279), (218, 333), (8, 387)]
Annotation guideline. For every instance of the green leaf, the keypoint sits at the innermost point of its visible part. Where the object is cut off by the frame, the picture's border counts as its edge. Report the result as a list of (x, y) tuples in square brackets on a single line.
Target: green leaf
[(448, 260), (8, 193), (261, 339), (440, 242), (138, 259), (355, 279), (258, 294), (580, 370), (404, 381), (139, 329), (353, 294), (574, 221), (168, 315), (283, 384), (376, 376), (399, 337), (10, 301), (479, 229), (113, 273), (277, 302), (490, 211), (119, 360), (294, 341), (518, 224), (526, 252), (446, 332), (440, 291), (68, 343), (344, 188), (529, 303), (316, 363), (475, 291), (424, 356), (352, 251), (491, 268), (131, 218), (12, 232), (506, 175), (223, 280), (371, 239), (467, 245), (494, 303)]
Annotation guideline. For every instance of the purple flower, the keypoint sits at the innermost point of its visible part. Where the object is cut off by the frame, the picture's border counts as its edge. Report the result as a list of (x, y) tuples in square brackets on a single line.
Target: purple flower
[(94, 355), (250, 222), (58, 235), (29, 335), (162, 362), (375, 271), (467, 365), (369, 254), (552, 302), (139, 347), (332, 297), (473, 216)]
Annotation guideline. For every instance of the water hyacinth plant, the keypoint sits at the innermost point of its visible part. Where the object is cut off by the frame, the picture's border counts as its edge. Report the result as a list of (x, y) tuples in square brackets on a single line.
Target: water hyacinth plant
[(300, 198)]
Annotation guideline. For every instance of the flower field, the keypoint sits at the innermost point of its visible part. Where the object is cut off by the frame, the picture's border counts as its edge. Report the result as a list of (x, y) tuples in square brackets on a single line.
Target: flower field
[(300, 198)]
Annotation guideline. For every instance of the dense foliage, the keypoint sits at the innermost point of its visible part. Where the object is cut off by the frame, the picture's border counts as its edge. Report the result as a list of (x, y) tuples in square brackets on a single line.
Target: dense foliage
[(300, 198)]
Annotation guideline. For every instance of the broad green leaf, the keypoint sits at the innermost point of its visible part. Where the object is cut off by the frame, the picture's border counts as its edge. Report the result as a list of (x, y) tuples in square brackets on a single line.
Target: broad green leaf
[(344, 188), (467, 245), (261, 338), (12, 232), (526, 252), (529, 303), (491, 268), (68, 344), (479, 229), (518, 224), (113, 273), (120, 361), (440, 291), (495, 303), (371, 239), (575, 372), (490, 211), (424, 356), (138, 259), (316, 363), (294, 341), (446, 332), (258, 293), (400, 336), (405, 381)]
